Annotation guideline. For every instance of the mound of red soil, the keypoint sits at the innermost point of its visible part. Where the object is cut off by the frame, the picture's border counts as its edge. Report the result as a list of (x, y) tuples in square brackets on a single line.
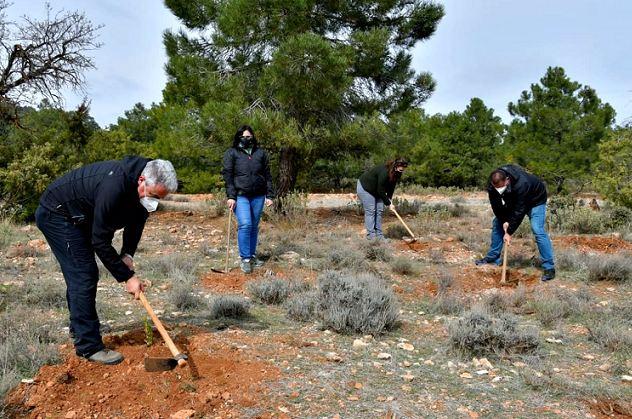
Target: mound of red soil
[(229, 283), (218, 381), (472, 279), (594, 243)]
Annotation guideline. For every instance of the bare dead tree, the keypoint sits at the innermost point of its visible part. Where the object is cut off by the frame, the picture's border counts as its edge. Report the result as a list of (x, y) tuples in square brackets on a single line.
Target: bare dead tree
[(39, 58)]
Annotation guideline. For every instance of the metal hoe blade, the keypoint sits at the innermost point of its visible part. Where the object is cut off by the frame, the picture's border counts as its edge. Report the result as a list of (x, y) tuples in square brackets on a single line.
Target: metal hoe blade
[(160, 364)]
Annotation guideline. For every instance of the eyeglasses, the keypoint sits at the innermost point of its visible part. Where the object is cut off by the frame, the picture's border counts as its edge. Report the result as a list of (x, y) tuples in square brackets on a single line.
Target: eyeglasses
[(246, 137)]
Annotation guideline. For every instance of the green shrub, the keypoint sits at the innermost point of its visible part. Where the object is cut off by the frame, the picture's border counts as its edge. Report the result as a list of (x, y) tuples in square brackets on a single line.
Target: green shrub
[(396, 231)]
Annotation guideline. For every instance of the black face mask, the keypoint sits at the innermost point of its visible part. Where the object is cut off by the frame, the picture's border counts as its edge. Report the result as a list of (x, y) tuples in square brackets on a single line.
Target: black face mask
[(246, 142), (397, 175)]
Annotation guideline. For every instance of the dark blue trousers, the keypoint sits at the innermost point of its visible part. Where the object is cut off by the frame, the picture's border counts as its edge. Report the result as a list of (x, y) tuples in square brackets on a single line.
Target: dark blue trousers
[(72, 247)]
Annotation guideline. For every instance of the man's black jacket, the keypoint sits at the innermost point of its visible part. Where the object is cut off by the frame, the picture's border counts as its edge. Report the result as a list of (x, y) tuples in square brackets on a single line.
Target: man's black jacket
[(247, 175), (102, 198), (525, 191)]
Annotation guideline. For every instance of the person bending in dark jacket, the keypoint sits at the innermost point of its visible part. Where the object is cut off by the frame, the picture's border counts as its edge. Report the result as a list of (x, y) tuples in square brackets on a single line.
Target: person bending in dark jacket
[(375, 190), (79, 213), (246, 172), (514, 193)]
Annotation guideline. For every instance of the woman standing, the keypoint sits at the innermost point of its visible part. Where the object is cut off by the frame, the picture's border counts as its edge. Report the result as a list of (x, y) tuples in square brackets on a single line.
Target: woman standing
[(248, 181), (375, 190)]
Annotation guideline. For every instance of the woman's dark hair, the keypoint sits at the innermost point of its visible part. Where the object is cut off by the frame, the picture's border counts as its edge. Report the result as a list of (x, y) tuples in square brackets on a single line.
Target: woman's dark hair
[(240, 132), (394, 176)]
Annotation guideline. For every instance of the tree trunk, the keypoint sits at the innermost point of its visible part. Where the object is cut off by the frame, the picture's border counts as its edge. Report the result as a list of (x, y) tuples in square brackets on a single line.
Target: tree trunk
[(288, 171)]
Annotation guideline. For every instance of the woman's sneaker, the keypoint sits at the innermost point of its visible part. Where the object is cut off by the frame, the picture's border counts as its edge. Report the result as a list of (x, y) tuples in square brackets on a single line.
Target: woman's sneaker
[(246, 266), (256, 262)]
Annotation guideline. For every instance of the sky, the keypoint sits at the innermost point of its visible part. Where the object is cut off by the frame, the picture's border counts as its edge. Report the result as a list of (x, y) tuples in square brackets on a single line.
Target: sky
[(491, 49)]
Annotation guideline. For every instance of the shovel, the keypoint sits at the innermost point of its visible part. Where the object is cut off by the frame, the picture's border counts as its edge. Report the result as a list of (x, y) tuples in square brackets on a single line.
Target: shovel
[(225, 271), (413, 239), (162, 364)]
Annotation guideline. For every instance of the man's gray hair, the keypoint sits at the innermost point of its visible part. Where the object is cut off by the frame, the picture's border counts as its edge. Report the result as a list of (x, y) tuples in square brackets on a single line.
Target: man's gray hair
[(161, 172)]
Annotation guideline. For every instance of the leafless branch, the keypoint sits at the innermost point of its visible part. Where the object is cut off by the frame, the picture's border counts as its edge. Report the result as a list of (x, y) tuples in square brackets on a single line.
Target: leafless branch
[(38, 58)]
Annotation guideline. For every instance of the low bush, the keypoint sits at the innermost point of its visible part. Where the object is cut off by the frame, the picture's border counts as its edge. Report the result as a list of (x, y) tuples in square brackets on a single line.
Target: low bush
[(269, 291), (611, 333), (403, 266), (345, 258), (302, 307), (375, 251), (444, 282), (182, 295), (356, 303), (447, 304), (579, 220), (570, 260), (45, 293), (478, 333), (28, 340), (228, 306), (616, 268), (458, 210), (406, 207), (396, 231), (552, 307), (8, 233), (499, 302), (170, 264)]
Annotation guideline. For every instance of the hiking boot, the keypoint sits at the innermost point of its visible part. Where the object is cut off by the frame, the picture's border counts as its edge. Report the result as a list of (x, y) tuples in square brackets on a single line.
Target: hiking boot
[(256, 262), (246, 266), (548, 274), (485, 261), (106, 356)]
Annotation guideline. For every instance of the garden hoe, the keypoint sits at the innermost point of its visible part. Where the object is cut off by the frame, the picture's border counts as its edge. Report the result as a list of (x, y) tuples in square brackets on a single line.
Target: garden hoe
[(162, 364), (226, 270), (413, 237)]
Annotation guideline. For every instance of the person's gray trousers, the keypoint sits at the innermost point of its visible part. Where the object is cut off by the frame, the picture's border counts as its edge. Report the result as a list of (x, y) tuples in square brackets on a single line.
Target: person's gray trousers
[(373, 209)]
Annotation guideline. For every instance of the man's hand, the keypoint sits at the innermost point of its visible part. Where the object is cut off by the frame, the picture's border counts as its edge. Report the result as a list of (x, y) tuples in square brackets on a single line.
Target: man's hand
[(134, 286), (391, 207), (231, 204), (127, 259), (268, 202), (507, 236)]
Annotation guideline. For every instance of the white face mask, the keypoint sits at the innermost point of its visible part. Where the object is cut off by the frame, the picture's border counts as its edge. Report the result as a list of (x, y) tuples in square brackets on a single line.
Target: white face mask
[(150, 203), (501, 190)]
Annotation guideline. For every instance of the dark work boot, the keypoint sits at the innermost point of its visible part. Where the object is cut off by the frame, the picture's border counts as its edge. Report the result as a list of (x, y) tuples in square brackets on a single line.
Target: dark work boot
[(106, 356), (548, 274)]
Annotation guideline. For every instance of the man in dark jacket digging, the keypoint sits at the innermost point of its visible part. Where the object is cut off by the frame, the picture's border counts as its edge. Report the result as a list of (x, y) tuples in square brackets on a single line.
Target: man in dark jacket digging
[(79, 213), (514, 193)]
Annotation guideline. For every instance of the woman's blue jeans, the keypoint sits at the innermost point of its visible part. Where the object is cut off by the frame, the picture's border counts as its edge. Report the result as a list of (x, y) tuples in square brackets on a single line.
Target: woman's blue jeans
[(248, 212), (373, 209), (537, 216)]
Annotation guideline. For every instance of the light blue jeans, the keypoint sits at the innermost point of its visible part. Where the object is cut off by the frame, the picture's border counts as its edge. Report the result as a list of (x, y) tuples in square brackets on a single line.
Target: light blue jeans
[(248, 212), (373, 209), (537, 216)]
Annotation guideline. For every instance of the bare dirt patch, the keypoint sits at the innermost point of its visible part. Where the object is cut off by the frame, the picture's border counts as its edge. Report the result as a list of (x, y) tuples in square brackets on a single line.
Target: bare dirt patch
[(232, 282), (594, 243), (473, 279), (220, 380)]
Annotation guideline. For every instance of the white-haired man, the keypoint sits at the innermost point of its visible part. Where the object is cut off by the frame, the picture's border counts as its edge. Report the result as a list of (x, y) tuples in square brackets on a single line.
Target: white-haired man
[(79, 213)]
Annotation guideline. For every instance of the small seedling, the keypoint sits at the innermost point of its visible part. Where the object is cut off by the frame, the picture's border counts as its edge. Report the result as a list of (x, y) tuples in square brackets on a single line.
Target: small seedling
[(149, 332)]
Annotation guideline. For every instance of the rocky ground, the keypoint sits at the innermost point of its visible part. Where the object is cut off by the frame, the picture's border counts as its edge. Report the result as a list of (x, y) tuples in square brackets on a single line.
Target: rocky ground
[(266, 365)]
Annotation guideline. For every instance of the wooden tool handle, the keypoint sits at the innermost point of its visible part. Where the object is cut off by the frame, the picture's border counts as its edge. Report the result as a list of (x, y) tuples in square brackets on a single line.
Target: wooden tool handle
[(503, 277), (163, 332), (400, 219), (230, 215)]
